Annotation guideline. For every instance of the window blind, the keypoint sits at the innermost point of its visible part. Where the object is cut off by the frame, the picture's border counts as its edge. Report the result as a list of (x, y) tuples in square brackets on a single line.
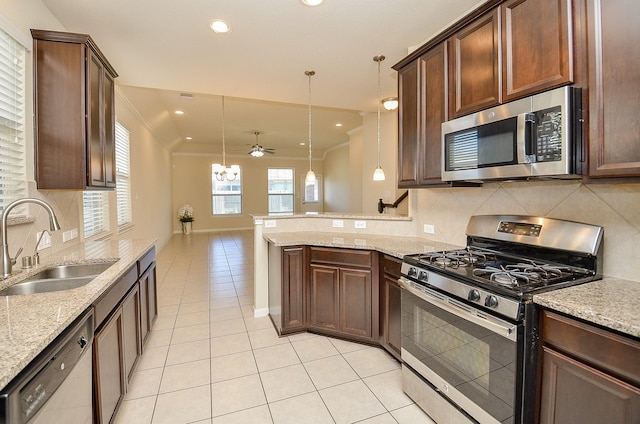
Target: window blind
[(123, 176), (95, 205), (12, 122)]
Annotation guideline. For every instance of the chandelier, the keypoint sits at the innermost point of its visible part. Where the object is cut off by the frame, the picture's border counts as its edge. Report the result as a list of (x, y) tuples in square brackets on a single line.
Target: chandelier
[(222, 172)]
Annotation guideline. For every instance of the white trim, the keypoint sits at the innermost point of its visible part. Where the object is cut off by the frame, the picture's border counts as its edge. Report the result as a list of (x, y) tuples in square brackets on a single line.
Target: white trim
[(262, 312), (18, 35)]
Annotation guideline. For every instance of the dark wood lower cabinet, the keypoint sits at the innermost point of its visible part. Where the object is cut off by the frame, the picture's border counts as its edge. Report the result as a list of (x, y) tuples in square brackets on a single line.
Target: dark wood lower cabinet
[(148, 301), (108, 361), (343, 292), (293, 290), (573, 392), (589, 375), (390, 314), (324, 298), (124, 315)]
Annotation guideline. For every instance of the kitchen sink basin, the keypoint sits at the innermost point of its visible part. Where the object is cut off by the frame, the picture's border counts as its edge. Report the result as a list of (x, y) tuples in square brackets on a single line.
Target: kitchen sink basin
[(71, 271), (57, 278), (45, 286)]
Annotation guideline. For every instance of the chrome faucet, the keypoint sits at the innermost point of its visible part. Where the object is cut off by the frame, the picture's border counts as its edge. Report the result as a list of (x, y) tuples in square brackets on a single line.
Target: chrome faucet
[(7, 260)]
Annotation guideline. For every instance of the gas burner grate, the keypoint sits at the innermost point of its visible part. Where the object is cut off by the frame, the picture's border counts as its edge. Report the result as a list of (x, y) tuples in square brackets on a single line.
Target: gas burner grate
[(456, 258)]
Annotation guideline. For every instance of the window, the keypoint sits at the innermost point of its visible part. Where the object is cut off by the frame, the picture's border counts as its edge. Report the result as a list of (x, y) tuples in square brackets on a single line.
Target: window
[(226, 195), (95, 205), (311, 191), (12, 122), (280, 189), (123, 183)]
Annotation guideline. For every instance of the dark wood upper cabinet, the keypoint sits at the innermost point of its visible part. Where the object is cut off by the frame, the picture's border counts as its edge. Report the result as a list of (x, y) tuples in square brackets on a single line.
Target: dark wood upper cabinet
[(537, 46), (613, 54), (74, 113), (474, 67), (423, 109)]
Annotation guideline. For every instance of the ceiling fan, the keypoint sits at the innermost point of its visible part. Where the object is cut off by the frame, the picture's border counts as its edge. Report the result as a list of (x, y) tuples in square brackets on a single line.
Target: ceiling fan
[(257, 151)]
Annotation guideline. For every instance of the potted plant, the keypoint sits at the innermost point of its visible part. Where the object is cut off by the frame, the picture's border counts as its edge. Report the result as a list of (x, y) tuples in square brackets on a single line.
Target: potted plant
[(185, 215)]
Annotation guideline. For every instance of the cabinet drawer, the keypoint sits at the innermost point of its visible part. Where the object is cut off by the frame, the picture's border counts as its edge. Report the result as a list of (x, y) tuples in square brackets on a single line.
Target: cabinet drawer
[(391, 265), (602, 349), (145, 261), (110, 299), (358, 258)]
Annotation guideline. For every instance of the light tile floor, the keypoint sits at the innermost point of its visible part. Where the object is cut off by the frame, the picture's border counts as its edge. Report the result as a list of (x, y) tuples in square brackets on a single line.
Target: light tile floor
[(208, 360)]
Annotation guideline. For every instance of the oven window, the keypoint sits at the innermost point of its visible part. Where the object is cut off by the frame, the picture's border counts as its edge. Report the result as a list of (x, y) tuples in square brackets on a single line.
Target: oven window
[(477, 362)]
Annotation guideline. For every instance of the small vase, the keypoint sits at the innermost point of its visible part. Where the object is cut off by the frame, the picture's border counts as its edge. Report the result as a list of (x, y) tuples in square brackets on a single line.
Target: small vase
[(186, 227)]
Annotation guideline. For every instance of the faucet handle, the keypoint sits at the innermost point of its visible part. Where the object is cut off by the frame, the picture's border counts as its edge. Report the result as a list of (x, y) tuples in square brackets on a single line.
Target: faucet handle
[(14, 260)]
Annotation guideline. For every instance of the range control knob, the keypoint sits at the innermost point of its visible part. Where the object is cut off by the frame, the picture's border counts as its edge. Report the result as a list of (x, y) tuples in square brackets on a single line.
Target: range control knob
[(422, 276), (474, 295), (491, 301), (412, 272)]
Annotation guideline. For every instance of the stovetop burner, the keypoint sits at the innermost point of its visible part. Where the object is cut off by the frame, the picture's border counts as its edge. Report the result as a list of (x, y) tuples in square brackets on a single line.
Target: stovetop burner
[(514, 276)]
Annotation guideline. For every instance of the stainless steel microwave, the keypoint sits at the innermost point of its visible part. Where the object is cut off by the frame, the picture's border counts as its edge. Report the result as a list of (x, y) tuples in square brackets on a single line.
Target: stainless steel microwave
[(537, 136)]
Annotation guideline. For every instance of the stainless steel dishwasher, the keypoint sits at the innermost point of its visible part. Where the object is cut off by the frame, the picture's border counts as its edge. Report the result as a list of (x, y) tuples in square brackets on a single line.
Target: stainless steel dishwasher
[(56, 387)]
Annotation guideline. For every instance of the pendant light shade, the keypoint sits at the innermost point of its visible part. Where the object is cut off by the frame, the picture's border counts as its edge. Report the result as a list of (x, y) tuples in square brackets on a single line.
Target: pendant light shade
[(378, 174), (311, 176), (223, 172)]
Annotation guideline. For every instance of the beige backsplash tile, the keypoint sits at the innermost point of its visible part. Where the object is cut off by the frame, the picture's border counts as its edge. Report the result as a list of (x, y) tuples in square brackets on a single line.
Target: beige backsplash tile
[(612, 206)]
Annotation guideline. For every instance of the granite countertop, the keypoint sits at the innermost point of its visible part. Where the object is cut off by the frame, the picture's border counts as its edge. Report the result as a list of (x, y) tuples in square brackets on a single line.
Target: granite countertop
[(610, 302), (29, 323), (390, 245), (335, 215)]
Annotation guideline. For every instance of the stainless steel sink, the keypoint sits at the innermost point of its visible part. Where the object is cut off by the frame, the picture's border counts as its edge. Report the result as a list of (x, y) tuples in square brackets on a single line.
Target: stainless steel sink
[(71, 271), (57, 278)]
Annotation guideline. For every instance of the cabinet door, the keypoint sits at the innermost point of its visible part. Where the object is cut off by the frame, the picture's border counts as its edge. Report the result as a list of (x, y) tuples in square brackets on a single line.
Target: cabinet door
[(109, 123), (433, 66), (131, 338), (537, 49), (390, 306), (613, 55), (573, 392), (95, 122), (293, 283), (109, 379), (355, 302), (474, 66), (408, 125), (324, 298), (148, 302)]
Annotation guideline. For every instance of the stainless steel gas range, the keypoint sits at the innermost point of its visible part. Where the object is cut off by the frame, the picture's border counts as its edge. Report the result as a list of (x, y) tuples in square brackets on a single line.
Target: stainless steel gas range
[(469, 326)]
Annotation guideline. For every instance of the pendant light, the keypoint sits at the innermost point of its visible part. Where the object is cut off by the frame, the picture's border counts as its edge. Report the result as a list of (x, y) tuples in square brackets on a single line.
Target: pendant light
[(378, 174), (221, 172), (311, 176)]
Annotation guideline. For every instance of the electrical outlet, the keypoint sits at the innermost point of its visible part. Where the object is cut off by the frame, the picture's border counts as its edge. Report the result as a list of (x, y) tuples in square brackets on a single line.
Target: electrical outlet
[(360, 224), (338, 223), (74, 233), (45, 242), (429, 229), (271, 223), (69, 235)]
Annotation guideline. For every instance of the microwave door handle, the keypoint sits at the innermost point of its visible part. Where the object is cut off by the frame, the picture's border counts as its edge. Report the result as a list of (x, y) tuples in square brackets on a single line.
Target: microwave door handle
[(525, 139)]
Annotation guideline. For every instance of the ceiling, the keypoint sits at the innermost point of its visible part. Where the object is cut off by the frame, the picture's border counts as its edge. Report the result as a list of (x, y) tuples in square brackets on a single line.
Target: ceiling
[(162, 48)]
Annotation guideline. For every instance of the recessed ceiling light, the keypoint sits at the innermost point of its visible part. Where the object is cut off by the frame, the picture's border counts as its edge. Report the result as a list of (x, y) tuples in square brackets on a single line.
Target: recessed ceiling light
[(178, 112), (302, 143), (312, 2), (219, 26), (338, 124), (189, 138)]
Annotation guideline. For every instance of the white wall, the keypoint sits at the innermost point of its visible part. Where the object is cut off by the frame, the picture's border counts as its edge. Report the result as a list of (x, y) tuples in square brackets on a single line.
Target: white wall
[(337, 190)]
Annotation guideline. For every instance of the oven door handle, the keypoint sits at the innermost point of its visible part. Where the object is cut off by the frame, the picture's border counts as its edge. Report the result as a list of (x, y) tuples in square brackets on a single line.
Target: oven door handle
[(461, 310)]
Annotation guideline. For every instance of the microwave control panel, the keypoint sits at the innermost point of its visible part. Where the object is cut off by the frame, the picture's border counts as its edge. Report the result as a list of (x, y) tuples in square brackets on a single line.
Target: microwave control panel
[(549, 135)]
